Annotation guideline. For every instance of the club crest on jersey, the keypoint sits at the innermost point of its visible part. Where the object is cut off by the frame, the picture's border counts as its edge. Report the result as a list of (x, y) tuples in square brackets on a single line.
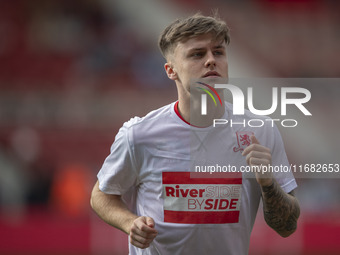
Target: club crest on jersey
[(243, 140)]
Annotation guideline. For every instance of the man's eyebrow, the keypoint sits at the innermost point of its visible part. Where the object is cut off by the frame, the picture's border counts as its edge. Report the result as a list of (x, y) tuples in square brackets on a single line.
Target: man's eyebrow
[(197, 49), (220, 46)]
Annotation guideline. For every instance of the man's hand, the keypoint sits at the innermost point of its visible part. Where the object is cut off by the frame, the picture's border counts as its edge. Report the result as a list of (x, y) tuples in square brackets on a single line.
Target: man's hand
[(142, 232), (259, 155)]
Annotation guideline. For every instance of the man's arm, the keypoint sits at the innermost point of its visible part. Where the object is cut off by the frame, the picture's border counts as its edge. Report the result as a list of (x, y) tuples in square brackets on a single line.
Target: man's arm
[(113, 211), (281, 210)]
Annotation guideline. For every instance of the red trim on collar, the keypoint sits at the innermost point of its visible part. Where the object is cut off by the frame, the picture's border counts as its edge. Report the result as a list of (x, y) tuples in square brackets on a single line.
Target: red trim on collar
[(180, 116)]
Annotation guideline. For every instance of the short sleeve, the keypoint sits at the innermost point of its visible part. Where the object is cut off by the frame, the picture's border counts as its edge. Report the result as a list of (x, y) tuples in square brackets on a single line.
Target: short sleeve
[(280, 163), (118, 174)]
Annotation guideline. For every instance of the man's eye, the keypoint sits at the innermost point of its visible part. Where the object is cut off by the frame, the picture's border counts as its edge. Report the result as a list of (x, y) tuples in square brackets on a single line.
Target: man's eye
[(197, 54), (218, 52)]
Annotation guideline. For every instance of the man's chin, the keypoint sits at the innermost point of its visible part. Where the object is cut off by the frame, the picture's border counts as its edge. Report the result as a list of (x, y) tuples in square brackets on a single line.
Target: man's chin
[(212, 80)]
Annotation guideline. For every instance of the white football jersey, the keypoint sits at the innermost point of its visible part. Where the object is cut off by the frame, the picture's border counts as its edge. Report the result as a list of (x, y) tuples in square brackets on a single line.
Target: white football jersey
[(189, 180)]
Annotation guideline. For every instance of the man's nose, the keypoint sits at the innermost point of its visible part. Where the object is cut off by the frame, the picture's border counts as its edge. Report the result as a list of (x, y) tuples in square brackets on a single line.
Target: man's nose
[(210, 61)]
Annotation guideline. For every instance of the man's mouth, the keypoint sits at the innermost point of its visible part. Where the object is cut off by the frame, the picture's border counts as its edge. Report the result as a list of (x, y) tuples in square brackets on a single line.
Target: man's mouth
[(211, 73)]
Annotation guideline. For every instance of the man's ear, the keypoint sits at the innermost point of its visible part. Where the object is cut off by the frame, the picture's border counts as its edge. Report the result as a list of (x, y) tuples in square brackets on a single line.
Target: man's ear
[(169, 69)]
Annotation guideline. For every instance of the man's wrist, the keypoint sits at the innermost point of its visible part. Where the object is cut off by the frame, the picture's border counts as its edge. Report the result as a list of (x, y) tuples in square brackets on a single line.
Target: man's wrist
[(267, 185)]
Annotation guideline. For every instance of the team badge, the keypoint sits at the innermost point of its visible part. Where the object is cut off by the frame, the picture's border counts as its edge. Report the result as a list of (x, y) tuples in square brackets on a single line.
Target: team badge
[(243, 140)]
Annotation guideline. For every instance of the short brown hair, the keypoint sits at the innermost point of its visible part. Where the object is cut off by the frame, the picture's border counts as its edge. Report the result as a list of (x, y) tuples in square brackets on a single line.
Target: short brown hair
[(184, 29)]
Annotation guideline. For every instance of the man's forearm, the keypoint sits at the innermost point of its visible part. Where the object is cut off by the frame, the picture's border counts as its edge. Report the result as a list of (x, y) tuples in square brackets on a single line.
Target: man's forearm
[(112, 210), (281, 210)]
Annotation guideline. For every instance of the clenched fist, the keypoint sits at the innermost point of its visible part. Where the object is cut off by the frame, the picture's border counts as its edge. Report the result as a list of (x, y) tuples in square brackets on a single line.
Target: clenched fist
[(142, 232), (258, 155)]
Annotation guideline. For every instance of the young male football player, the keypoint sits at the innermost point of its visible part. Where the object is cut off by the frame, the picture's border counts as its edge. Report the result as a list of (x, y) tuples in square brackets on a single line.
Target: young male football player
[(147, 187)]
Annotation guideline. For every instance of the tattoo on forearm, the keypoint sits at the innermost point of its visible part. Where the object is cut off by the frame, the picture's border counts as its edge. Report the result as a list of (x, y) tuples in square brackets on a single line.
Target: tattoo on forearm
[(281, 210)]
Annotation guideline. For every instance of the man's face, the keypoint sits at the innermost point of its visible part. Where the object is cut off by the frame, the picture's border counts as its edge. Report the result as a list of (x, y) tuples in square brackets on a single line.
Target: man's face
[(202, 57)]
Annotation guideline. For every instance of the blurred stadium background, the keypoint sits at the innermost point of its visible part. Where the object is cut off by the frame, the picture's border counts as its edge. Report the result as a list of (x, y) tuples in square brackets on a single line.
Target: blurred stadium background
[(71, 72)]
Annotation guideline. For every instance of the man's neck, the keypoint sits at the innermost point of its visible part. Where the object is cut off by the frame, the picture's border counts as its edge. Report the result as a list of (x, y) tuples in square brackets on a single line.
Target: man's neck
[(191, 112)]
